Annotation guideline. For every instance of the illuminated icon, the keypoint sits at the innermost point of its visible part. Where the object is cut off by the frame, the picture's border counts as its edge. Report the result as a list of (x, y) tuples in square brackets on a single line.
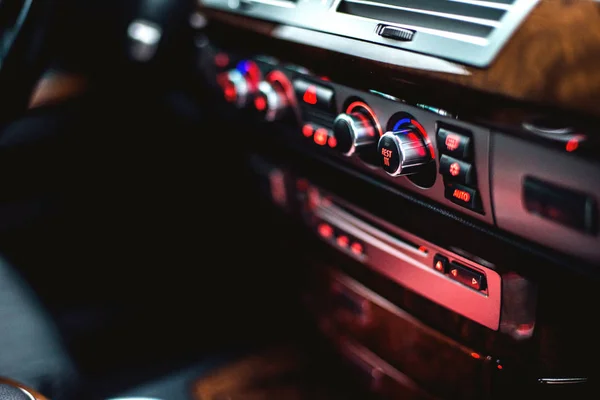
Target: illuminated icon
[(310, 95), (320, 137), (454, 273), (439, 266), (461, 195), (452, 142), (357, 248), (572, 145), (332, 142), (343, 241), (307, 130), (386, 161), (454, 169), (325, 230), (474, 282)]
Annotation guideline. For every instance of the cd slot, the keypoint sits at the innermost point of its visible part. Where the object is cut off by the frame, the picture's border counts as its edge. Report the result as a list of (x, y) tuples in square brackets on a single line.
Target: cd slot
[(407, 259), (406, 242)]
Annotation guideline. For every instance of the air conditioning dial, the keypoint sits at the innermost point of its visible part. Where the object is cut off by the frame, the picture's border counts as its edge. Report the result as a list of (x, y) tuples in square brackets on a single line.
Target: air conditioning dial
[(403, 152), (240, 83), (356, 130), (275, 97)]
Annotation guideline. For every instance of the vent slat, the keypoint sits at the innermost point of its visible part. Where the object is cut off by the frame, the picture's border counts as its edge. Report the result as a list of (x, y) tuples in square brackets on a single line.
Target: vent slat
[(454, 23), (452, 8)]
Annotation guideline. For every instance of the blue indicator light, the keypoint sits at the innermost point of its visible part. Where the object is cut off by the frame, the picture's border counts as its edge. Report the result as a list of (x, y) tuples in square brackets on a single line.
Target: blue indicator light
[(404, 121)]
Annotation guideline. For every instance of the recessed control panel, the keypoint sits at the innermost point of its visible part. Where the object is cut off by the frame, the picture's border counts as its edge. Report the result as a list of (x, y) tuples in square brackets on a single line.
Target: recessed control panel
[(542, 193)]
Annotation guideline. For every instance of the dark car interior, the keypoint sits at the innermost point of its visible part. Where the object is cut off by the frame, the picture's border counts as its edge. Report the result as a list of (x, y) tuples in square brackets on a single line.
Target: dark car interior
[(299, 199)]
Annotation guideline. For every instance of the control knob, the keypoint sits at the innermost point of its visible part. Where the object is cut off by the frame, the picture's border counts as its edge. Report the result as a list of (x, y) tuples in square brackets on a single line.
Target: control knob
[(271, 101), (355, 132), (236, 88), (403, 152)]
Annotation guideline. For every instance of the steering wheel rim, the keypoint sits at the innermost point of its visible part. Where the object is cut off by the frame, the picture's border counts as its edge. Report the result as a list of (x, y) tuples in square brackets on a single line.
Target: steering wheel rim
[(24, 48)]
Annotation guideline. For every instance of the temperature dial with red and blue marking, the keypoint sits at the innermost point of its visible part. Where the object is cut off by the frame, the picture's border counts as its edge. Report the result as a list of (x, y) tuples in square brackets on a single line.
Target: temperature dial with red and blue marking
[(405, 150), (357, 130)]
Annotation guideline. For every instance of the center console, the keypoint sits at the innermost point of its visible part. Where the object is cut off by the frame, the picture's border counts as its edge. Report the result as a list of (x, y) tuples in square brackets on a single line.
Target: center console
[(456, 226)]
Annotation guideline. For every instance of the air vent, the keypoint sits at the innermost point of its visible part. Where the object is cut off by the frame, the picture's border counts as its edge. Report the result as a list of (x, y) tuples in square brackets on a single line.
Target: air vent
[(468, 18)]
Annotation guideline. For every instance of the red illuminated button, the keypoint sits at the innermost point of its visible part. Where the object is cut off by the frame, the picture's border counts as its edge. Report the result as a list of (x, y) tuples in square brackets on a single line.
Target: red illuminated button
[(343, 241), (313, 94), (457, 170), (463, 196), (308, 130), (357, 248), (454, 143), (332, 142), (321, 136), (325, 230), (440, 263), (467, 276)]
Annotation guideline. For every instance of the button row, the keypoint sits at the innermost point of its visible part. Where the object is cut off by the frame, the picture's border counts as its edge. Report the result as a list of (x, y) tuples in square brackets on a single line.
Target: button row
[(341, 239), (460, 273), (456, 156)]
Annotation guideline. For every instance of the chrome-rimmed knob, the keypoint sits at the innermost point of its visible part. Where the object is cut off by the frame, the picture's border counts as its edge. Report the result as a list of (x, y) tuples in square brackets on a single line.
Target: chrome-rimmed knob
[(271, 101), (403, 152), (354, 133), (236, 88)]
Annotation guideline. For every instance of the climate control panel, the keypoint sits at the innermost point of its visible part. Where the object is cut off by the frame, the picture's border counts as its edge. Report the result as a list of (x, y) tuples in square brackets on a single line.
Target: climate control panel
[(419, 148), (422, 152)]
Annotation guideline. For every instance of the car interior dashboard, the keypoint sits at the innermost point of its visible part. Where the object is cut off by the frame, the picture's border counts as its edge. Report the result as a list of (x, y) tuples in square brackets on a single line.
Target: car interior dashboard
[(398, 198)]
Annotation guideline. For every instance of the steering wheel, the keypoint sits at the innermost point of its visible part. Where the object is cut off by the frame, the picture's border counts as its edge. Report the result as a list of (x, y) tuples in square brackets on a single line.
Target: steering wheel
[(24, 28)]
